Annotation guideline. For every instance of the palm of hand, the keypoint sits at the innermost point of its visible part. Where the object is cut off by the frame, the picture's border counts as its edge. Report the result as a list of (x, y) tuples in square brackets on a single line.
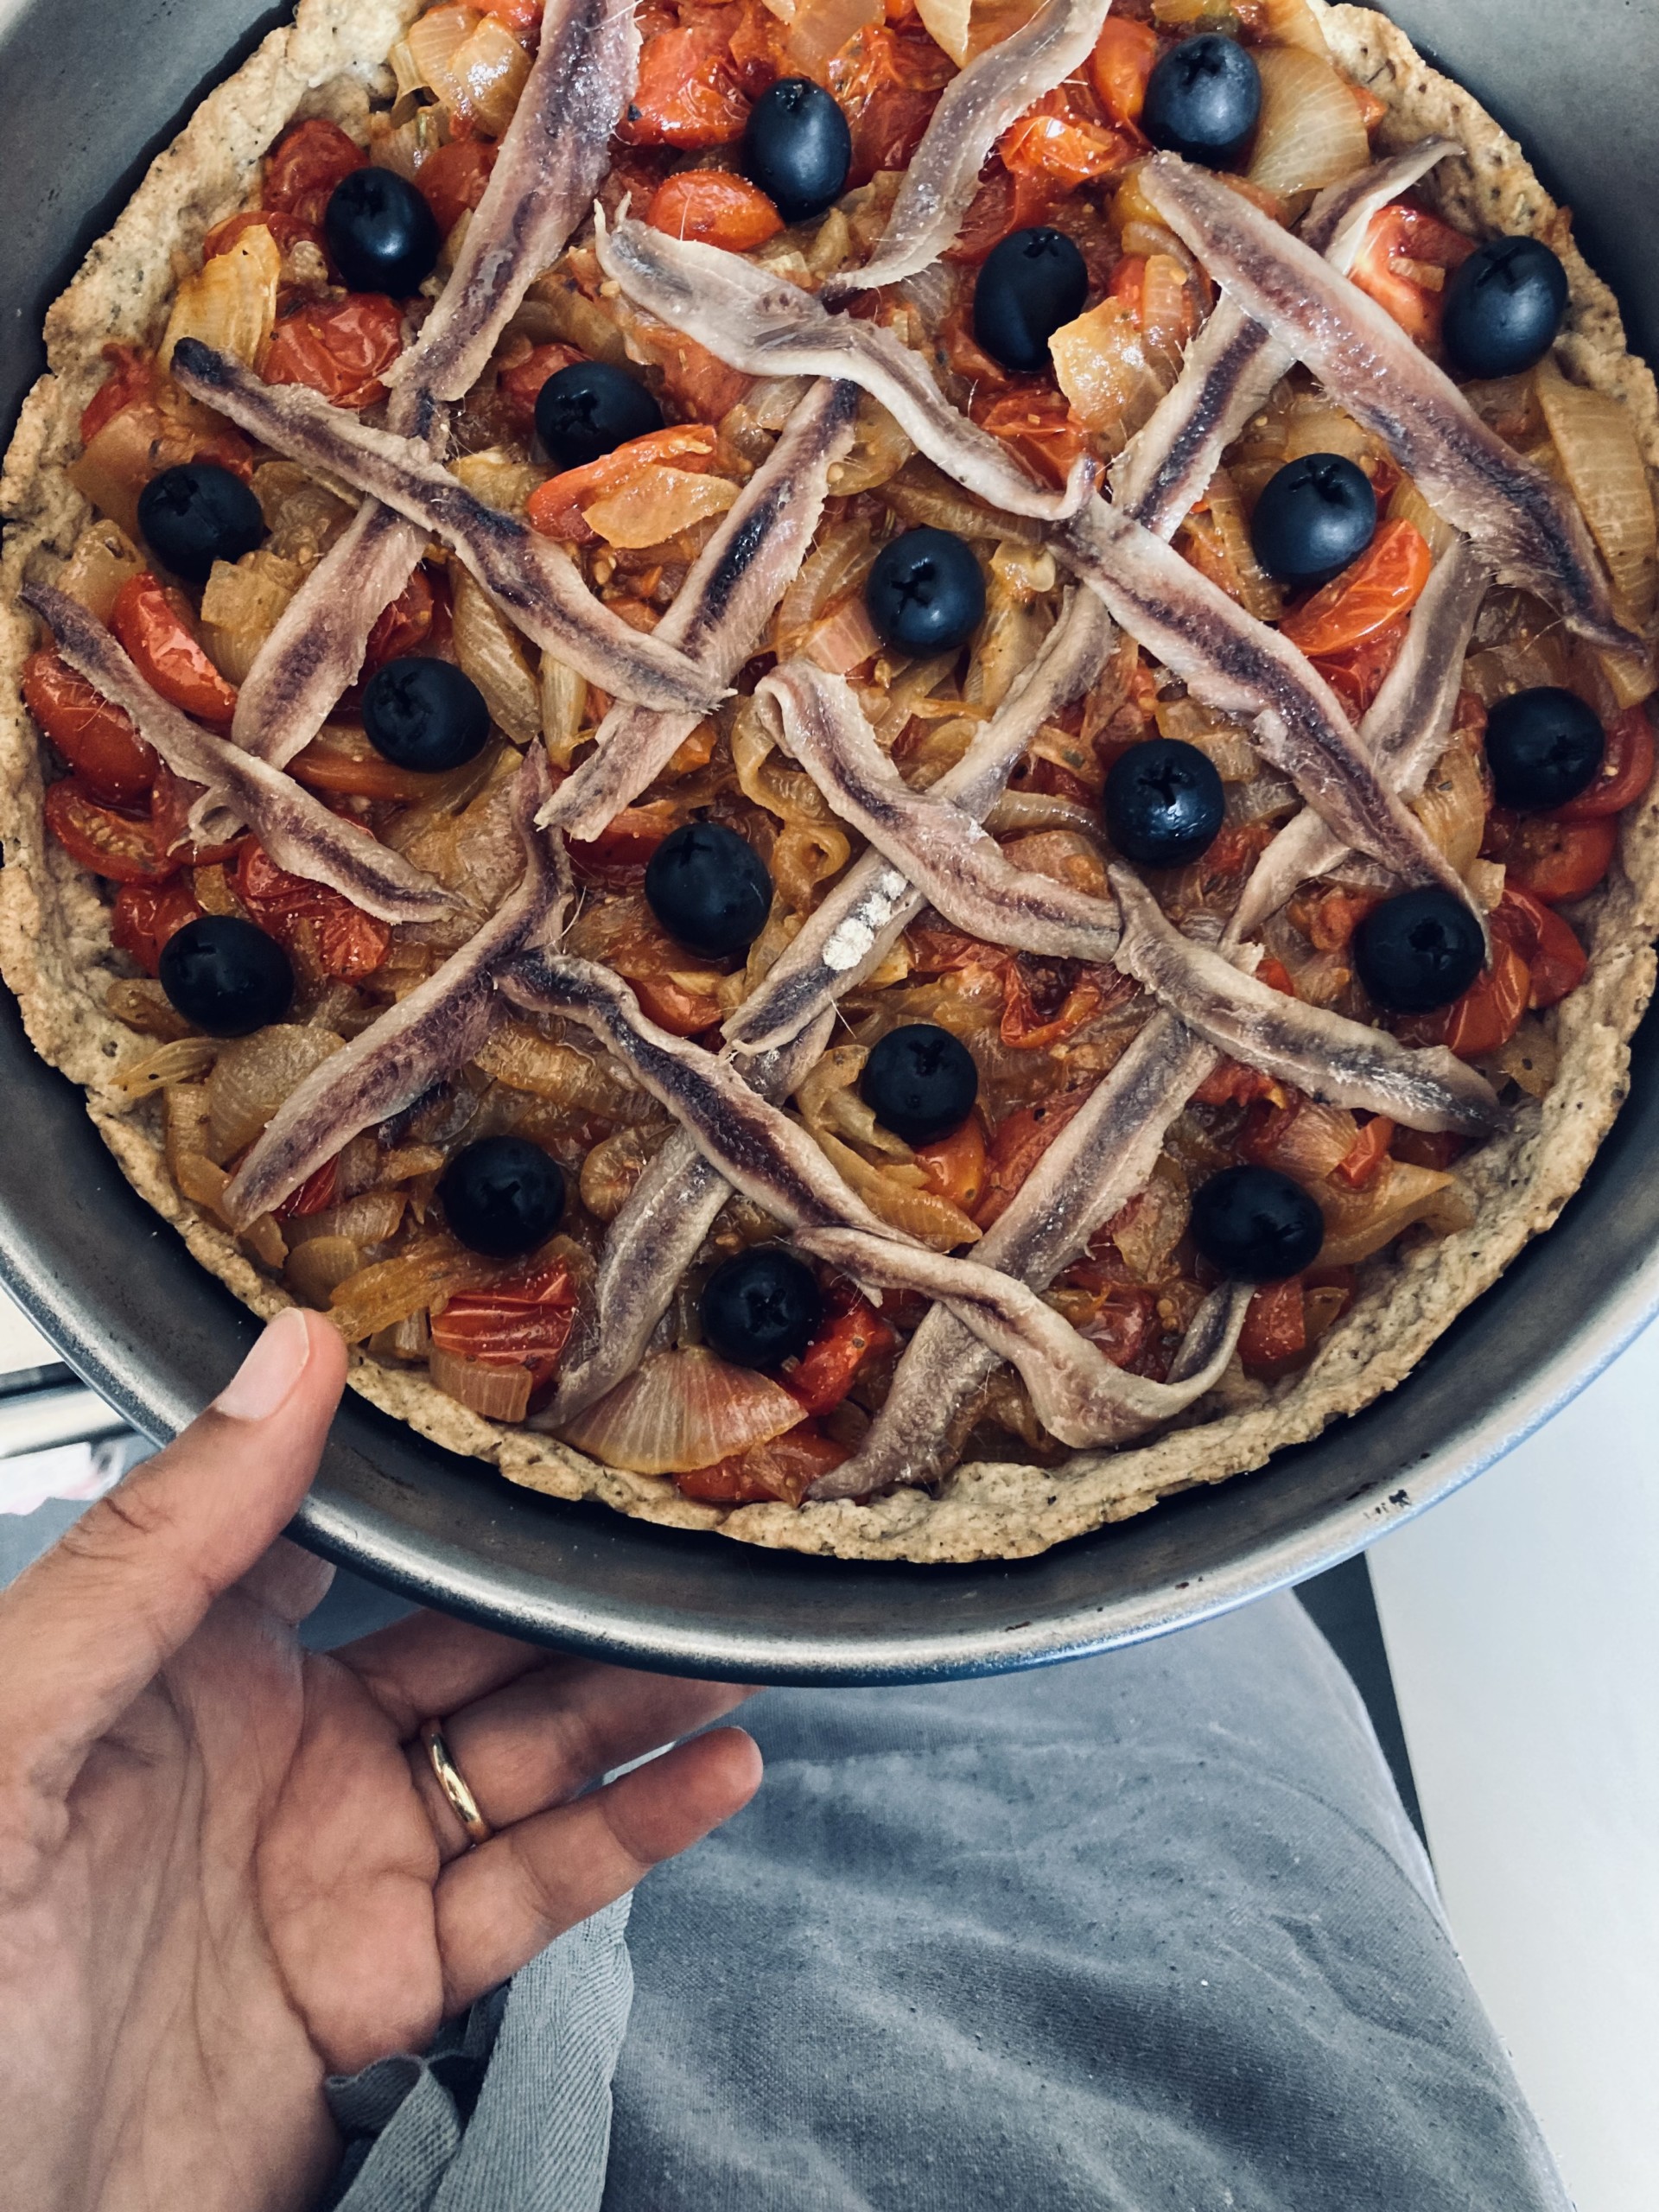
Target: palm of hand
[(238, 1878)]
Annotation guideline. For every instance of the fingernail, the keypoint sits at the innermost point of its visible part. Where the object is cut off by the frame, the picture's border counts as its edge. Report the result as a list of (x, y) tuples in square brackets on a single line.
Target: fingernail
[(269, 1371)]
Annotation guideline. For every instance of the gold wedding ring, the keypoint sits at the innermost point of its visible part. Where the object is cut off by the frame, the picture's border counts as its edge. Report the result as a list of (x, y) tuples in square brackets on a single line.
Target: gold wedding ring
[(452, 1783)]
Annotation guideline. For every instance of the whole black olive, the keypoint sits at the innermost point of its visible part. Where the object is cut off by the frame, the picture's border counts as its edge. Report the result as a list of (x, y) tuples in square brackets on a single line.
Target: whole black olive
[(709, 888), (1419, 950), (761, 1307), (381, 234), (226, 976), (798, 147), (1027, 287), (1314, 516), (1202, 99), (1504, 308), (1544, 747), (588, 410), (926, 594), (1256, 1224), (198, 514)]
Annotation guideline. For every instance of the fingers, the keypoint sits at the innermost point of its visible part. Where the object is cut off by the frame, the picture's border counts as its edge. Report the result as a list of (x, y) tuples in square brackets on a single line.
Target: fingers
[(548, 1734), (429, 1664), (90, 1623), (289, 1581), (499, 1905)]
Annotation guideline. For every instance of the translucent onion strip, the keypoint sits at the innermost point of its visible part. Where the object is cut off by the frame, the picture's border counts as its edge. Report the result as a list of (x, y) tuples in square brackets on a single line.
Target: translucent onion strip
[(1312, 133)]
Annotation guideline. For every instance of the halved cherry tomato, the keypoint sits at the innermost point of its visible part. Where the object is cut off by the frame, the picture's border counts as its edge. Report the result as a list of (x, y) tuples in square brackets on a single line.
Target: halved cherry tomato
[(523, 1324), (344, 941), (1489, 1012), (1059, 138), (830, 1363), (785, 1468), (170, 802), (1001, 204), (119, 846), (306, 164), (286, 232), (688, 94), (454, 178), (1364, 1157), (1356, 676), (1403, 264), (1019, 1143), (1625, 773), (1275, 1325), (1277, 977), (132, 376), (315, 1195), (1124, 57), (887, 83), (555, 507), (339, 347), (1555, 860), (519, 386), (1035, 421), (152, 621), (146, 914), (97, 739), (955, 1165), (1556, 959), (716, 208), (758, 47), (618, 857), (402, 628), (1385, 582)]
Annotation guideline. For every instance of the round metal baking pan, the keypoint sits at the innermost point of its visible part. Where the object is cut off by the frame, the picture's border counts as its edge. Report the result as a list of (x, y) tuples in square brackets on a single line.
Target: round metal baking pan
[(115, 1288)]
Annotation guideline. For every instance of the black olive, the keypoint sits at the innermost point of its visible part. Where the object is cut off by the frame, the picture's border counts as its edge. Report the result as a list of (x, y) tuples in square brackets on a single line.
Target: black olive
[(1504, 308), (927, 593), (1163, 803), (1544, 747), (1417, 951), (588, 410), (425, 715), (198, 514), (1256, 1225), (1202, 99), (1314, 516), (226, 976), (798, 147), (1027, 287), (708, 888), (502, 1196), (381, 234), (920, 1082), (761, 1307)]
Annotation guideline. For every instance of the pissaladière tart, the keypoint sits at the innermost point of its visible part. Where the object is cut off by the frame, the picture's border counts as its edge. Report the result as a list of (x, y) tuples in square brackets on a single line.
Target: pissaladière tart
[(880, 777)]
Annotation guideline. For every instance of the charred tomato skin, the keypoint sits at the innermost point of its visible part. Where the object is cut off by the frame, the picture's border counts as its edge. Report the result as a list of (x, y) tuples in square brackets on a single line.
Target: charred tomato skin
[(502, 1196), (1314, 517), (1202, 99), (1163, 803), (425, 715), (926, 594), (920, 1082), (1504, 308), (797, 147), (1417, 951), (226, 976), (1027, 287), (198, 514), (382, 235), (1544, 747), (708, 888), (587, 410), (1256, 1225), (761, 1307)]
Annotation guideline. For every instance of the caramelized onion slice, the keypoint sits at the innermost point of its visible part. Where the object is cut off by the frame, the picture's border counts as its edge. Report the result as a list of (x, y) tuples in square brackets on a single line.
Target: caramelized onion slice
[(681, 1410)]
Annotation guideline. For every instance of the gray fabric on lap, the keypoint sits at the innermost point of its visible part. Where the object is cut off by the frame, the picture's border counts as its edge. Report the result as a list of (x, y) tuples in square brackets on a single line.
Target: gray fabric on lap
[(1147, 1931)]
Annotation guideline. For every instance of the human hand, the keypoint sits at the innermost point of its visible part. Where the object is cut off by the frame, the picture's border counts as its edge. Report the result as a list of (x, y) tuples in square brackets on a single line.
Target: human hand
[(226, 1870)]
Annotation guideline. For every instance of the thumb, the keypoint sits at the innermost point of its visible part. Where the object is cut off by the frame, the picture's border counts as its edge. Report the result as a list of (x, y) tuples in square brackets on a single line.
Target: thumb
[(90, 1623)]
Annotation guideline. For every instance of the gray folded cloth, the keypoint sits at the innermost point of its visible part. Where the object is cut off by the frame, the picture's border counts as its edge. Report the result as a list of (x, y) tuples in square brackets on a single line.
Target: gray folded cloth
[(1143, 1934)]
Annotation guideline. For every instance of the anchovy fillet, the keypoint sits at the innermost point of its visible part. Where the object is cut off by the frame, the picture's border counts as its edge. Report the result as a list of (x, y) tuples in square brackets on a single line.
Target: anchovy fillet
[(1342, 1061), (939, 847), (441, 1024), (976, 108), (767, 327), (857, 923), (296, 829), (720, 610), (534, 582), (1528, 521), (1233, 365), (1231, 661)]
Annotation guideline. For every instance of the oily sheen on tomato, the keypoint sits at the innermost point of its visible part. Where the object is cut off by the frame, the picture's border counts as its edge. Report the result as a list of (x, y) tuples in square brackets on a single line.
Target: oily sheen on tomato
[(341, 939), (111, 761), (152, 621), (339, 347), (306, 165), (122, 847)]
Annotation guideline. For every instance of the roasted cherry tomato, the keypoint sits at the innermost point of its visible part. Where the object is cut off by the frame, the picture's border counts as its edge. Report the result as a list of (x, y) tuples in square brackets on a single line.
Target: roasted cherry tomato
[(1556, 959), (153, 623), (339, 347), (288, 232), (132, 376), (522, 17), (1403, 264), (402, 628), (714, 207), (1553, 860), (341, 759), (1036, 421), (1018, 1144), (687, 94), (518, 387), (830, 1363), (343, 940), (1356, 676), (454, 178), (1385, 582), (1002, 205), (116, 845), (1275, 1325), (887, 83), (97, 739), (146, 914), (1489, 1012), (525, 1324), (306, 165), (556, 507), (785, 1468), (1625, 773), (1125, 55), (1063, 137), (170, 803), (955, 1165), (1044, 1001), (618, 857), (1360, 1164), (315, 1195)]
